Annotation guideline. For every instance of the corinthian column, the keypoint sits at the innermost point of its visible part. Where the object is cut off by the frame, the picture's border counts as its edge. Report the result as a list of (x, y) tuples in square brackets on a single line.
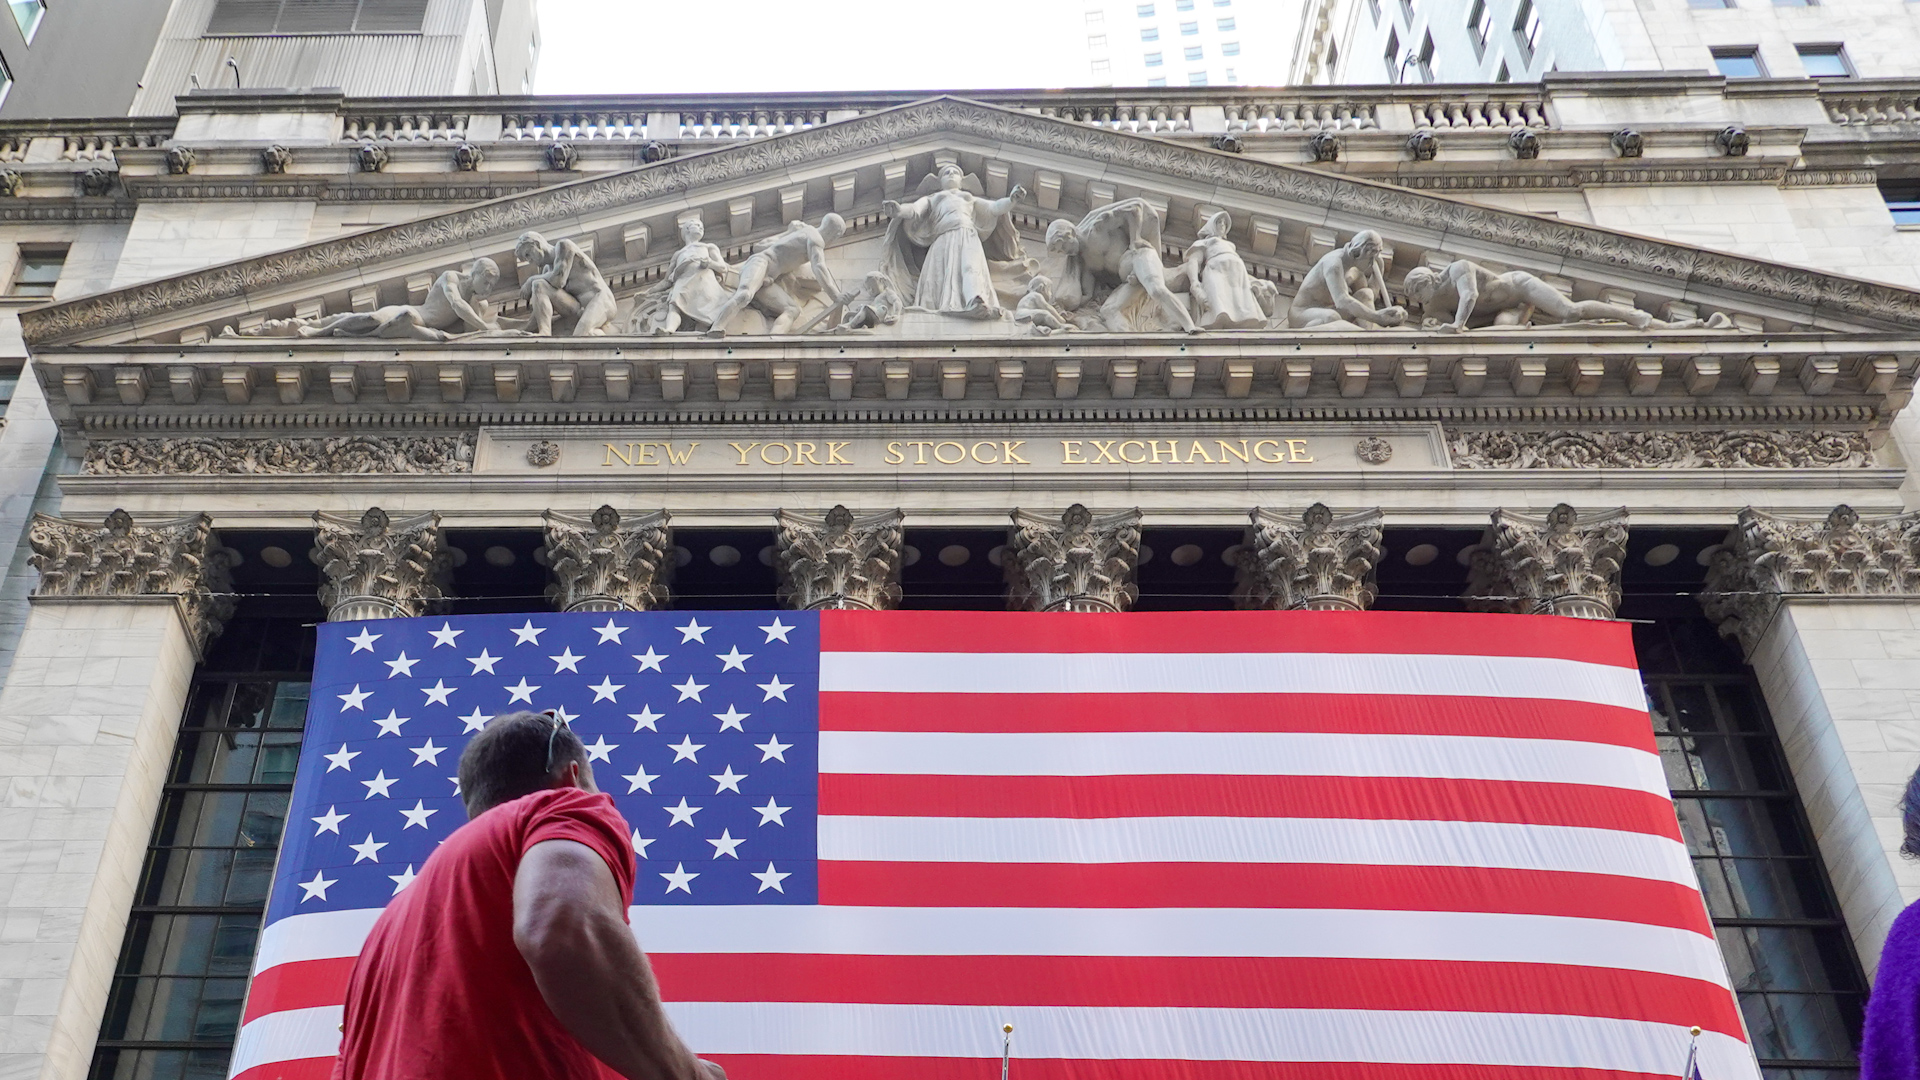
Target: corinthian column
[(1317, 562), (1561, 564), (87, 724), (1078, 563), (607, 563), (839, 561), (378, 568), (1828, 613)]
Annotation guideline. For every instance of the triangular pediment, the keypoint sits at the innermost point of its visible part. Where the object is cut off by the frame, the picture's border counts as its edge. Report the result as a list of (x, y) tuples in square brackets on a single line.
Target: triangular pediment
[(1284, 217)]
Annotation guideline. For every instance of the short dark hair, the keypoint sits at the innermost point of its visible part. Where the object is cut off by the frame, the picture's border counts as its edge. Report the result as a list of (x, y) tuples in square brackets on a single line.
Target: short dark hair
[(508, 759), (1910, 817)]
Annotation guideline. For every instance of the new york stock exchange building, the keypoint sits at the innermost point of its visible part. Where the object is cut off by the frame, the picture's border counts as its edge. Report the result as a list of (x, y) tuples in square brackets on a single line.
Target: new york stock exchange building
[(1609, 348)]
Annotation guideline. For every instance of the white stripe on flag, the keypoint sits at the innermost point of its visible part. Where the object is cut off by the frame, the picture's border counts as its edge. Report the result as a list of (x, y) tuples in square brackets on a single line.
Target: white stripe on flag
[(1234, 753), (288, 1035), (1255, 840), (316, 935), (1231, 673)]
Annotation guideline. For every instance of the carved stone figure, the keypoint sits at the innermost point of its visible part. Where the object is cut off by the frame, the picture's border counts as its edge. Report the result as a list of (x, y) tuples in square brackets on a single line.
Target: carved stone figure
[(840, 561), (378, 568), (276, 159), (455, 304), (609, 563), (1036, 307), (1115, 247), (767, 277), (1465, 294), (1316, 562), (940, 246), (875, 303), (1768, 558), (180, 556), (694, 290), (1218, 285), (1340, 292), (1075, 563), (1562, 564), (568, 283)]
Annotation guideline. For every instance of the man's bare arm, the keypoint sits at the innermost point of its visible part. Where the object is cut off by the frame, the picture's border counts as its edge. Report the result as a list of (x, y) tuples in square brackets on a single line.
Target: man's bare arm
[(1466, 285), (457, 300), (567, 924)]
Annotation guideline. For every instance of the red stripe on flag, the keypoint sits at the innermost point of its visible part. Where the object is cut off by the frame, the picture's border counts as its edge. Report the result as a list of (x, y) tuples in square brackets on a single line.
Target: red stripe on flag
[(1423, 632), (1371, 798), (1313, 886), (302, 984), (783, 1067), (297, 1069), (1199, 982)]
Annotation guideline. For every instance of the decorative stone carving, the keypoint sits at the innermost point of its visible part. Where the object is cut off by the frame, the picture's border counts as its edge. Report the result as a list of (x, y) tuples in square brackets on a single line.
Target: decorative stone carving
[(1076, 563), (1218, 285), (456, 304), (180, 160), (1628, 143), (768, 277), (429, 455), (10, 182), (543, 453), (1423, 145), (839, 561), (1342, 289), (1323, 146), (940, 246), (96, 181), (1560, 564), (693, 291), (876, 302), (371, 156), (1465, 295), (1373, 450), (567, 283), (1316, 562), (180, 556), (562, 157), (654, 151), (378, 568), (1106, 270), (468, 157), (1733, 141), (1525, 144), (275, 159), (1230, 142), (1659, 449), (1036, 309), (609, 563), (1767, 559)]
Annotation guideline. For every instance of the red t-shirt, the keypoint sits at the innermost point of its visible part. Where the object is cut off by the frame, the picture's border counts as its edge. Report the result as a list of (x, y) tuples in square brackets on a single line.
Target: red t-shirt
[(440, 991)]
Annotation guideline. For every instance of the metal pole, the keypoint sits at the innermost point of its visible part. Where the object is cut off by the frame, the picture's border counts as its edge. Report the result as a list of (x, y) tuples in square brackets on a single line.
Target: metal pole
[(1006, 1048)]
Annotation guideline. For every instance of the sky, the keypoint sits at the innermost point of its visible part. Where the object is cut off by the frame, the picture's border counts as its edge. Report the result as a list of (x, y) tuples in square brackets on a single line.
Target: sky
[(757, 46)]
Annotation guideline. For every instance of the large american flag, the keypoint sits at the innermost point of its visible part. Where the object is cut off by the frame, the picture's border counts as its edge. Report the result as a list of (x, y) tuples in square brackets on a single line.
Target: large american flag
[(1195, 846)]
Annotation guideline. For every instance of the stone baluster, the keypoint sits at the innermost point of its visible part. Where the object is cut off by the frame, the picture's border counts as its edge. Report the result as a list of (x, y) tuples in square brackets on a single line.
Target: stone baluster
[(1076, 563), (839, 561), (1316, 562), (379, 568), (1561, 564), (609, 563)]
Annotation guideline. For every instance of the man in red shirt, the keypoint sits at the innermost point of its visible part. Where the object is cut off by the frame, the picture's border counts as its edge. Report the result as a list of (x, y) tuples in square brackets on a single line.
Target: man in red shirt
[(509, 956)]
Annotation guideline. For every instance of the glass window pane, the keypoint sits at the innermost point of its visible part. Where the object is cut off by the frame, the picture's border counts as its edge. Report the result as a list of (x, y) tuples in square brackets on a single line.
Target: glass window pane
[(1151, 33), (38, 272), (1804, 1026), (1741, 65), (1232, 48), (1189, 28), (1824, 63)]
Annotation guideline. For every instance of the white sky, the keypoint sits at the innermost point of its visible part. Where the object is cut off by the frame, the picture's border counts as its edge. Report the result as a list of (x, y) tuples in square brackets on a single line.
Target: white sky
[(756, 46)]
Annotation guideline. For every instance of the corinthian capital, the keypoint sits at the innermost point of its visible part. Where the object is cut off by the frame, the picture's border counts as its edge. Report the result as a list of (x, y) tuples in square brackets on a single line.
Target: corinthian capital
[(1561, 564), (181, 557), (609, 563), (1316, 562), (839, 561), (1768, 558), (378, 568), (1078, 563)]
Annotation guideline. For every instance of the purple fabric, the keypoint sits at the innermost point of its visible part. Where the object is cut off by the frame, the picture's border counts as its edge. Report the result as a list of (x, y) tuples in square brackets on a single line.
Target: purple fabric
[(1890, 1045)]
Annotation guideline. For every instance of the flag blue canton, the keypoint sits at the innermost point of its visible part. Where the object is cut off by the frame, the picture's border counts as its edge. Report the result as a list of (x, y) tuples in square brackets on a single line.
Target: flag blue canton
[(703, 726)]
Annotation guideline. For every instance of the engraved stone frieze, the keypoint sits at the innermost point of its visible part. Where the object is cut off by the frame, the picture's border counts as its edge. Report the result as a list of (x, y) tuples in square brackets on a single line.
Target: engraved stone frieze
[(1767, 558), (1659, 449), (1561, 564), (1317, 561), (378, 568), (607, 562), (1077, 562), (180, 556), (385, 455), (840, 560)]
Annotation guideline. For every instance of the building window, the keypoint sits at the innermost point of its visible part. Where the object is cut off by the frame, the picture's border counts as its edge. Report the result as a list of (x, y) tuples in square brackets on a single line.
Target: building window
[(1903, 200), (1424, 62), (1407, 12), (1196, 78), (1188, 29), (1102, 68), (1392, 56), (1231, 77), (28, 14), (1232, 48), (1096, 18), (1153, 59), (1183, 5), (1526, 29), (1794, 3), (1503, 75), (1222, 3), (1711, 4), (1480, 24), (253, 17), (38, 271), (1373, 8), (1157, 80), (1096, 41), (1225, 25), (1740, 63), (1145, 11), (1193, 52), (1824, 61), (1149, 33)]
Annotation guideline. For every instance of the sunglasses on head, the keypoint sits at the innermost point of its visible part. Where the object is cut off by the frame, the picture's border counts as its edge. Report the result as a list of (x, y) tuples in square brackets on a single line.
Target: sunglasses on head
[(549, 714)]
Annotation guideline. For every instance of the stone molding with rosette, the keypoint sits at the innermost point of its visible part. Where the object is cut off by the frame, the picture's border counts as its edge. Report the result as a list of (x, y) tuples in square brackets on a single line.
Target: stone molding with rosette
[(1675, 266), (1562, 449), (1316, 562), (607, 562), (1564, 563), (1768, 558), (221, 456), (179, 557), (379, 568), (1076, 562), (840, 561)]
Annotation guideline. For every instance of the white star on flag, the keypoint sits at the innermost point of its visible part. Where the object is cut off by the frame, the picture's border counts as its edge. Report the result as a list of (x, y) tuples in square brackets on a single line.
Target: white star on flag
[(686, 748), (417, 816), (427, 753), (772, 812), (682, 814), (455, 781), (390, 723), (379, 785), (330, 821), (561, 714), (693, 631), (354, 699), (483, 662), (726, 844), (728, 780), (771, 879), (366, 849), (445, 635), (599, 750), (733, 660), (609, 632), (528, 633), (650, 661), (522, 692), (363, 641), (438, 693), (640, 844), (776, 689), (777, 630), (474, 721), (690, 689), (646, 718), (317, 888), (640, 780), (566, 661), (773, 749), (680, 879), (341, 758), (731, 718), (402, 879), (606, 690), (400, 666)]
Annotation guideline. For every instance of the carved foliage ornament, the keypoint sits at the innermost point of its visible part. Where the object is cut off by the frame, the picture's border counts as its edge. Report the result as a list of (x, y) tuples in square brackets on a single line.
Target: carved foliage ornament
[(839, 561), (1767, 558), (180, 556), (1659, 449), (378, 568), (1077, 562), (1562, 564), (385, 455), (609, 563), (1316, 562)]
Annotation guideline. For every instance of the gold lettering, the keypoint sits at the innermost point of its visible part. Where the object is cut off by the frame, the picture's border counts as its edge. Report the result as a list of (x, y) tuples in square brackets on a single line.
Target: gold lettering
[(959, 451), (1297, 450), (894, 456), (1009, 455), (680, 459), (646, 453), (974, 451), (833, 453), (1173, 450), (1070, 452), (612, 453), (1226, 450), (743, 451), (1133, 442), (1200, 450), (920, 449), (1105, 450), (786, 453), (1261, 455), (805, 452)]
